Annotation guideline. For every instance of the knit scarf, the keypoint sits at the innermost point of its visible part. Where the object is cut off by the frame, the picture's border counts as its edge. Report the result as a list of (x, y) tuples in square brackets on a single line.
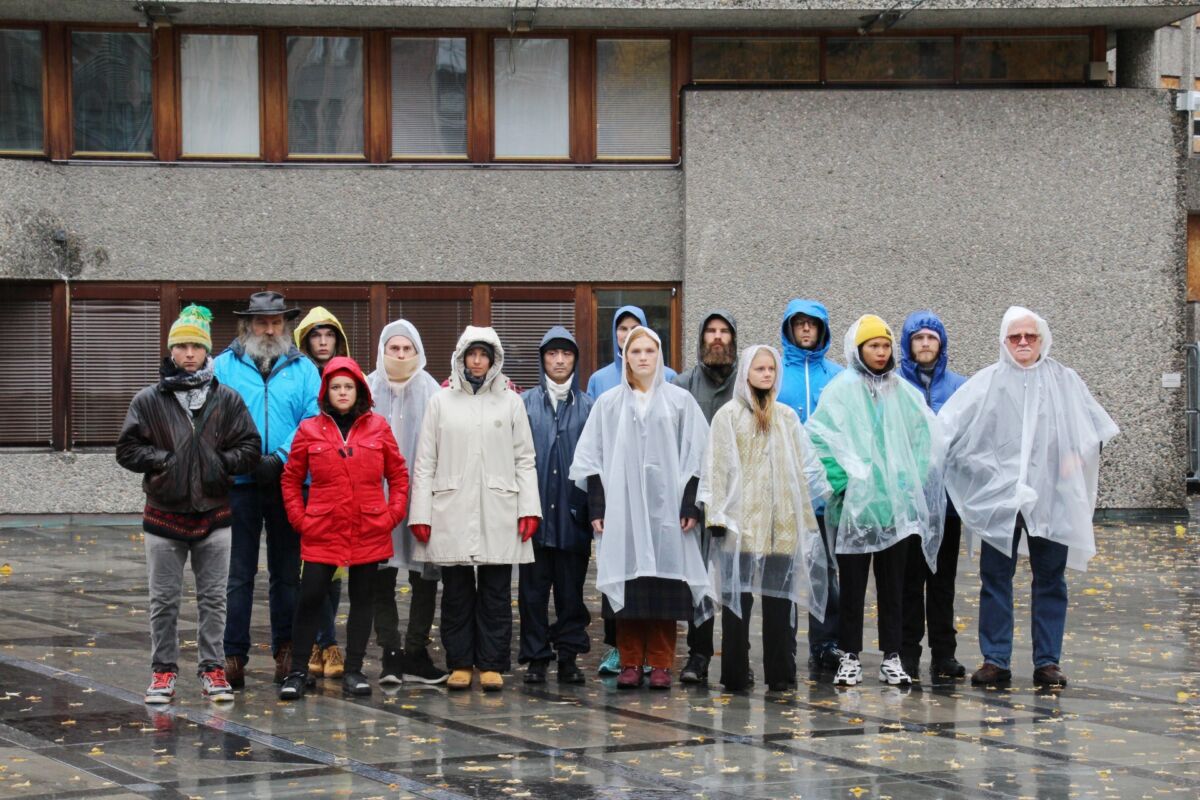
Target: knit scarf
[(189, 388), (557, 392), (399, 370)]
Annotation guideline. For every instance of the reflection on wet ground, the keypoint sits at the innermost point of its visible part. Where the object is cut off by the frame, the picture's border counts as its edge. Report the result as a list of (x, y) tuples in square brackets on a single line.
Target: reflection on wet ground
[(73, 665)]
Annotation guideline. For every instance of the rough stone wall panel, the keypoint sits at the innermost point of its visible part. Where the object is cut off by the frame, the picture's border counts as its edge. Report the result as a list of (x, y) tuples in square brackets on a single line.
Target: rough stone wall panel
[(1070, 202)]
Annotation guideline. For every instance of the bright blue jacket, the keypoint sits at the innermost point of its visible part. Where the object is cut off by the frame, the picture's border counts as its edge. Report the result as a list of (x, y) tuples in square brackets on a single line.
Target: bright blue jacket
[(279, 402), (565, 524), (607, 377), (945, 382), (805, 372)]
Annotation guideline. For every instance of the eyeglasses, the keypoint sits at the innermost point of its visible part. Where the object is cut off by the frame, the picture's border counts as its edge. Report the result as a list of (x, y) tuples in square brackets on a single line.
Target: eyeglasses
[(1018, 338)]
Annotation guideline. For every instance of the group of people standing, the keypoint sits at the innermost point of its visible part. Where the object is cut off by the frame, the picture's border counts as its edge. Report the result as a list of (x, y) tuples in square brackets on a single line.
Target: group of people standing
[(780, 475)]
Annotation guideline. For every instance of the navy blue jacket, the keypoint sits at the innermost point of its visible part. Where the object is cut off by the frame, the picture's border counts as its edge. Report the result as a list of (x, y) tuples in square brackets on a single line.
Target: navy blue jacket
[(565, 524), (944, 382)]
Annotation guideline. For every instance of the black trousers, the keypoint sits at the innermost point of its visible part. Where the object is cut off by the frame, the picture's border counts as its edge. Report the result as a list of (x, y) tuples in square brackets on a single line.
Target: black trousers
[(930, 595), (700, 637), (477, 617), (422, 605), (564, 572), (853, 571), (314, 587), (777, 637)]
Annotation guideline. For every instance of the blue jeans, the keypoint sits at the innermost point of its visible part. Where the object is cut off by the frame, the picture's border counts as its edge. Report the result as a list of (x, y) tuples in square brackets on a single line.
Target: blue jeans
[(1048, 562), (823, 634), (252, 508)]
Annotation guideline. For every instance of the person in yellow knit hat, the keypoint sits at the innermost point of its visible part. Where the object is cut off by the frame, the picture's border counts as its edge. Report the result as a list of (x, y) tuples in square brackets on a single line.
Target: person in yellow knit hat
[(321, 337)]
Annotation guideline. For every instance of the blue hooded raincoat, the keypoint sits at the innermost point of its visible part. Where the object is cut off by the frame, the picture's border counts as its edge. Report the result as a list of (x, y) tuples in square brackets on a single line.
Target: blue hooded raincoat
[(609, 376), (806, 373), (279, 402), (944, 382), (565, 524)]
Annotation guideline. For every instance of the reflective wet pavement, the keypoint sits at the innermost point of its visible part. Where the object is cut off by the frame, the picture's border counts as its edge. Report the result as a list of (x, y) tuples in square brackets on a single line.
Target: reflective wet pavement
[(73, 665)]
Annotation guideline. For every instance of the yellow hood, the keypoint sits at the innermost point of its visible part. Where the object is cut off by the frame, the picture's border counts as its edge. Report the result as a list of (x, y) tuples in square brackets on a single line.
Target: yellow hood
[(321, 316)]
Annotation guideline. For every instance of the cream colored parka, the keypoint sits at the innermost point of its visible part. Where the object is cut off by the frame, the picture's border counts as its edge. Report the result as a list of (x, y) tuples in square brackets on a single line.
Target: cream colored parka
[(474, 474)]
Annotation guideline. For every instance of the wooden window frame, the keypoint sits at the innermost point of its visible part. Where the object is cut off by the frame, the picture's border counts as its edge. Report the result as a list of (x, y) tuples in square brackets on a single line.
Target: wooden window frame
[(43, 30), (59, 332), (574, 148), (593, 95), (385, 99), (160, 72), (177, 34), (370, 42)]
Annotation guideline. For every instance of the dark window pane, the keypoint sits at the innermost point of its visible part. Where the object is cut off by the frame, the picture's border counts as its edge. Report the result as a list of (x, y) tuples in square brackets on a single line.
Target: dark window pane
[(27, 393), (101, 385), (1026, 58), (21, 90), (633, 98), (889, 59), (655, 302), (521, 324), (325, 95), (110, 92), (429, 97), (440, 323), (755, 60)]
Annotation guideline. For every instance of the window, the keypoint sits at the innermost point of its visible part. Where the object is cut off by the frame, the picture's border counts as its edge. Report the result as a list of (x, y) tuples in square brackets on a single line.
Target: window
[(325, 95), (219, 87), (755, 60), (27, 391), (21, 91), (111, 93), (656, 303), (633, 98), (885, 60), (114, 354), (429, 97), (1025, 58), (521, 324), (532, 98), (440, 323)]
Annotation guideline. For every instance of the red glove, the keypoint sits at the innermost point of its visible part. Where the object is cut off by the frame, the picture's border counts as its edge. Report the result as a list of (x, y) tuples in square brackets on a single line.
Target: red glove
[(420, 532), (527, 527)]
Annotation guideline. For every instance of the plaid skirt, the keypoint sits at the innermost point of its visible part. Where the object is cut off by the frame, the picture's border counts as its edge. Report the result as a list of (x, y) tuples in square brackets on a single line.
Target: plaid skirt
[(654, 598)]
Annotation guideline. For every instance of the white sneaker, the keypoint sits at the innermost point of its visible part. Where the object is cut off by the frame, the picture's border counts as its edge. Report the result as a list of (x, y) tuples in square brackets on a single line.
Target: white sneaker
[(849, 671), (891, 672), (161, 689)]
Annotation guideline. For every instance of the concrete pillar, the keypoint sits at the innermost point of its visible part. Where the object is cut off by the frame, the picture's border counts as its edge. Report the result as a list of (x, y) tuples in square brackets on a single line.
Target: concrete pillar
[(1137, 62)]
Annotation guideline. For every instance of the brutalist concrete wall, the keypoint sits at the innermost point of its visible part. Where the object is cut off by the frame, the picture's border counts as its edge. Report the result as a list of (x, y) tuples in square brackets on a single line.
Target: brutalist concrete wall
[(1069, 202), (131, 222)]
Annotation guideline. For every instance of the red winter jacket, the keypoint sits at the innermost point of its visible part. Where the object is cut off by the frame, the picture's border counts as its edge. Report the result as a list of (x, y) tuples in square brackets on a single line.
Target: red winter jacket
[(349, 518)]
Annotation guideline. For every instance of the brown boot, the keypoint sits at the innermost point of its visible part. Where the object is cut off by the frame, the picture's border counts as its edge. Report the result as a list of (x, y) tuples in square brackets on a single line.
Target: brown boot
[(283, 661), (1049, 675), (335, 664), (316, 663), (235, 671), (990, 675)]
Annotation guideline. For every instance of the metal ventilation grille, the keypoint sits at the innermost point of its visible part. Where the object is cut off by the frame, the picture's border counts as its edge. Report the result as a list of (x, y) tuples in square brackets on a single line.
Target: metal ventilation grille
[(27, 391), (114, 353), (521, 325)]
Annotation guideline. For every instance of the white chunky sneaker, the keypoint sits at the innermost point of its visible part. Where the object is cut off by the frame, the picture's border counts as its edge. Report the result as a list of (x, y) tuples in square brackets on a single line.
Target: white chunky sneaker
[(849, 671), (891, 672)]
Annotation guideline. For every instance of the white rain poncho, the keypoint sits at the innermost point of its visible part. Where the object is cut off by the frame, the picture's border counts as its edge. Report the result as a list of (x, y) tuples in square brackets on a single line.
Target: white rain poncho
[(645, 453), (404, 408), (760, 488), (883, 451), (1026, 440)]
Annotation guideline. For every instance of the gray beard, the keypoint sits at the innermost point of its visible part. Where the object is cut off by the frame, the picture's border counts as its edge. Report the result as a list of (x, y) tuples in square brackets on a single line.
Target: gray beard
[(264, 349)]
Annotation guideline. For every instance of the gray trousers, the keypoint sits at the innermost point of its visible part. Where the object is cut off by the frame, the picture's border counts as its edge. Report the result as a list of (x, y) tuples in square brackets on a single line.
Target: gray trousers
[(165, 559)]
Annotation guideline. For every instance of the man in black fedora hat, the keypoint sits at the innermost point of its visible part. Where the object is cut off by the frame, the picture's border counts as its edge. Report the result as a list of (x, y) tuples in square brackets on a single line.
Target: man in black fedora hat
[(280, 387)]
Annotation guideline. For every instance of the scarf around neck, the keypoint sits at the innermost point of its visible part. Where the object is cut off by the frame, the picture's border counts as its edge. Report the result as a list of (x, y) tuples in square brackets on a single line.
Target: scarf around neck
[(557, 392), (189, 388)]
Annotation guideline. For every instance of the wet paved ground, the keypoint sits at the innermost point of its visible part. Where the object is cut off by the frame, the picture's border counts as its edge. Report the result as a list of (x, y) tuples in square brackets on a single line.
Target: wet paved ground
[(73, 665)]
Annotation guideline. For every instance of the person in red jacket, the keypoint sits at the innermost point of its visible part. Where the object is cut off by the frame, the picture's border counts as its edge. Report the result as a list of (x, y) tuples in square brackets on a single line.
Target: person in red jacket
[(350, 452)]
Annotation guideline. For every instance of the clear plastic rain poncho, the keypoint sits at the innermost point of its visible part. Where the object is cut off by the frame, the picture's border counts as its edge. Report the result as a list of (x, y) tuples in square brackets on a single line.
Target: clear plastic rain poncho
[(645, 448), (1027, 440), (404, 408), (883, 451), (760, 487)]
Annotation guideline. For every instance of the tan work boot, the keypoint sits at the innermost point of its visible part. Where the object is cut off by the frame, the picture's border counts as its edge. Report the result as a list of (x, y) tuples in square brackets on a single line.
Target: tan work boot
[(459, 679), (235, 671), (283, 661), (490, 681), (335, 664), (316, 664)]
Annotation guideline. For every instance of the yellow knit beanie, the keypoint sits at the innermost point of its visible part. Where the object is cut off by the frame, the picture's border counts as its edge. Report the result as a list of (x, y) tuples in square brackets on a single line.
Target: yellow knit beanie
[(192, 327), (872, 327)]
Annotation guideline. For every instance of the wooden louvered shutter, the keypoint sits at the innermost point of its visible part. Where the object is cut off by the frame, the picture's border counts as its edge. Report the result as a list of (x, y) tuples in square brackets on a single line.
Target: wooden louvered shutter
[(114, 353), (27, 389), (521, 325), (439, 322)]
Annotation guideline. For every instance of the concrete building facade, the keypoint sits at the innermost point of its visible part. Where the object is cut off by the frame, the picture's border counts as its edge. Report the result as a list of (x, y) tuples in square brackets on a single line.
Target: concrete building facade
[(920, 172)]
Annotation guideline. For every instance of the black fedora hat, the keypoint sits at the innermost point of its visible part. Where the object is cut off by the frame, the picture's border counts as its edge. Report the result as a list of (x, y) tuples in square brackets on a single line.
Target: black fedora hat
[(265, 304)]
